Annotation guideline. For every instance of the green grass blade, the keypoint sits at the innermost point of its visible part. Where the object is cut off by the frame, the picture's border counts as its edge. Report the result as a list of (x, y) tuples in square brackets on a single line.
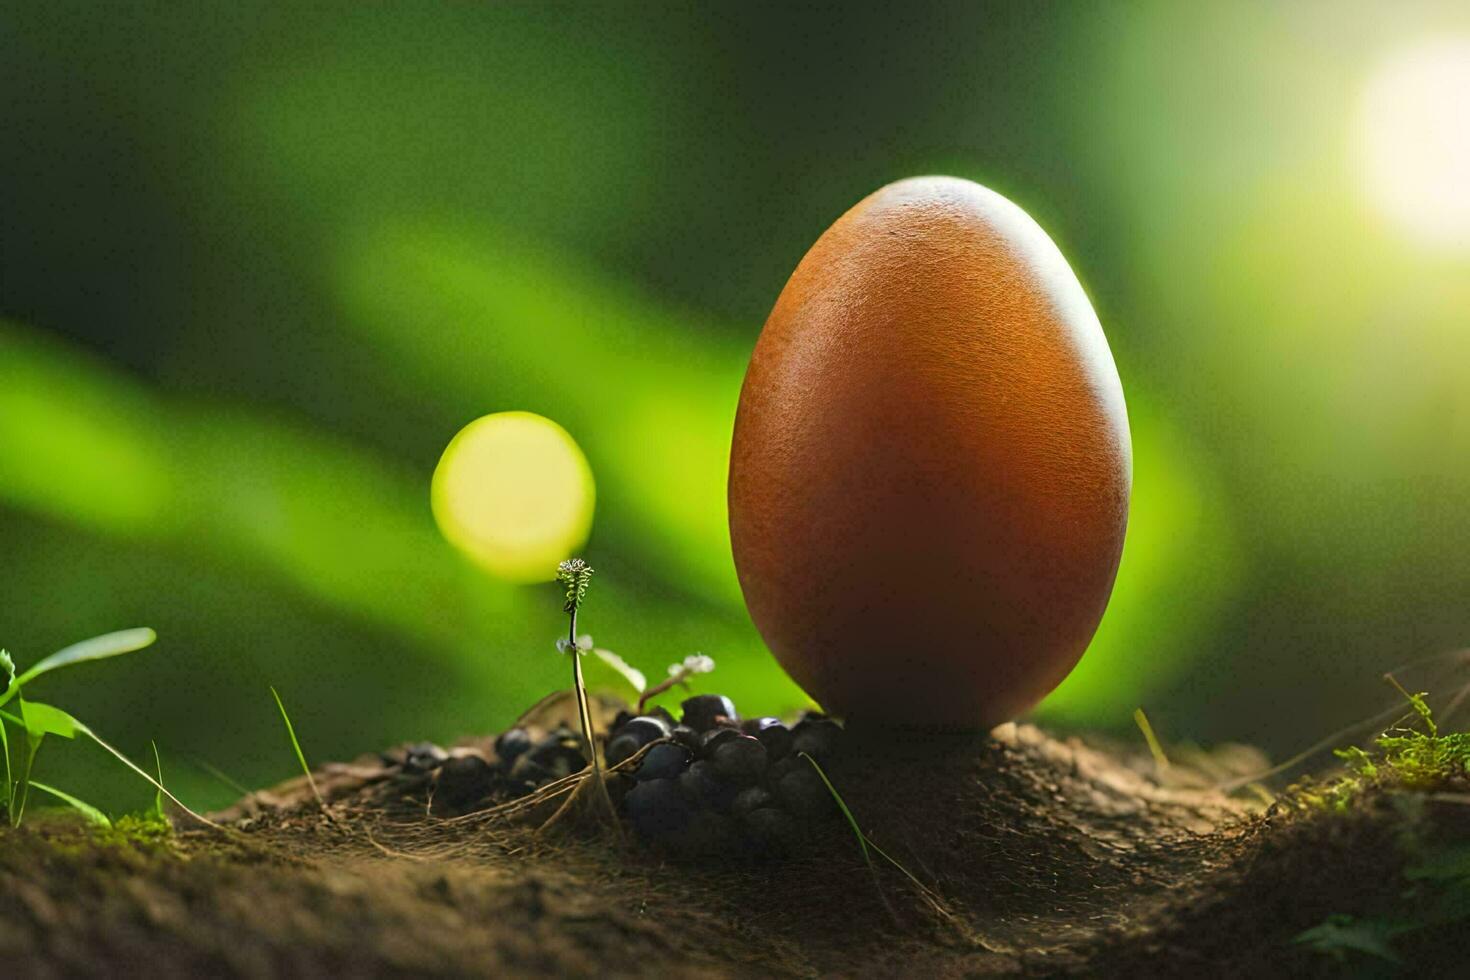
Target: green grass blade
[(217, 773), (296, 744), (928, 894), (33, 746), (147, 778), (1155, 748), (97, 648), (158, 794), (85, 809), (5, 750)]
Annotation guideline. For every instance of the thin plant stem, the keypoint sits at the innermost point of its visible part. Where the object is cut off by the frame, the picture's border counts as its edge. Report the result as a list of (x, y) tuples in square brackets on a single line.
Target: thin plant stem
[(584, 709), (680, 677), (147, 778)]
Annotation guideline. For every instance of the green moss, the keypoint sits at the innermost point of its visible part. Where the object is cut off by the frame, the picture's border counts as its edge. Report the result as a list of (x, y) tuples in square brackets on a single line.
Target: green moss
[(1408, 758)]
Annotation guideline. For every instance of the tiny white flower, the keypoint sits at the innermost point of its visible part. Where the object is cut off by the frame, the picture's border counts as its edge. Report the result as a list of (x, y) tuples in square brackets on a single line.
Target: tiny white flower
[(695, 663), (584, 642)]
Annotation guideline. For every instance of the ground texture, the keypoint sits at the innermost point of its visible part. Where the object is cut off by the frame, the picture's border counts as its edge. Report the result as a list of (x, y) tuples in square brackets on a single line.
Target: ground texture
[(1034, 855)]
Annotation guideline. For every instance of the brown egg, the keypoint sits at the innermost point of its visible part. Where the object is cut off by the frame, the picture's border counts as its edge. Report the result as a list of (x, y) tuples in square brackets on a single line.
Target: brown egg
[(931, 466)]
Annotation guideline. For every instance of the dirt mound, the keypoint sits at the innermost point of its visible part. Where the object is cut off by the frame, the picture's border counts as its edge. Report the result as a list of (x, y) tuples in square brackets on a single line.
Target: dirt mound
[(1028, 855)]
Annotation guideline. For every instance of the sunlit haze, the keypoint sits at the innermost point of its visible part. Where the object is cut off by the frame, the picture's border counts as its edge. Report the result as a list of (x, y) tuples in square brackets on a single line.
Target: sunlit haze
[(1415, 140)]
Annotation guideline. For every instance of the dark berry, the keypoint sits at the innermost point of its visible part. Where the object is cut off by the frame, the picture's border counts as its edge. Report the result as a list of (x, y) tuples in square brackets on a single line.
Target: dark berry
[(560, 753), (751, 798), (646, 727), (687, 737), (818, 737), (632, 735), (776, 737), (529, 771), (656, 808), (511, 743), (714, 738), (804, 793), (621, 747), (790, 763), (423, 756), (702, 787), (664, 761), (463, 780), (741, 759), (705, 711), (662, 714)]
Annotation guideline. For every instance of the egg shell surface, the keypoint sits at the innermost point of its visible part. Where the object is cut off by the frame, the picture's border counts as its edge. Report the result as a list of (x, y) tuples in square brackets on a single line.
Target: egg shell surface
[(931, 466)]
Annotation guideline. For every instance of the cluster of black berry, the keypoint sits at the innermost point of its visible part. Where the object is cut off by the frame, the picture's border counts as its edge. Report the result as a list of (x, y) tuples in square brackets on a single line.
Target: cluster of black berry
[(714, 783), (706, 782)]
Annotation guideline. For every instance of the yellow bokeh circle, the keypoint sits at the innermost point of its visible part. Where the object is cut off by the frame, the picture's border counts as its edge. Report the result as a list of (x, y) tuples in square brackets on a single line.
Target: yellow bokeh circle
[(513, 491)]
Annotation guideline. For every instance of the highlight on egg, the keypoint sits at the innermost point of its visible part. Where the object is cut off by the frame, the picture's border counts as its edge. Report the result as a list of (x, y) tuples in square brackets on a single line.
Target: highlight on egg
[(931, 467)]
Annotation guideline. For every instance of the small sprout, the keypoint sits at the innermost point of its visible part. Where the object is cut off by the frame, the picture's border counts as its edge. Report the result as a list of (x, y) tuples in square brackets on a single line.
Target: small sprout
[(575, 575), (679, 673)]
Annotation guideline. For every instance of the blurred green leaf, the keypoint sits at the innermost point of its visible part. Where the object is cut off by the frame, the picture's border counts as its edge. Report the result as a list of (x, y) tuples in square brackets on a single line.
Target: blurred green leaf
[(85, 809), (43, 719), (619, 666), (97, 648)]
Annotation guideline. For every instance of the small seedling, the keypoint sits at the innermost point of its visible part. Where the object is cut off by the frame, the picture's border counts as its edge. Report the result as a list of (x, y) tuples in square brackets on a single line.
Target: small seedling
[(575, 575), (37, 720), (680, 673)]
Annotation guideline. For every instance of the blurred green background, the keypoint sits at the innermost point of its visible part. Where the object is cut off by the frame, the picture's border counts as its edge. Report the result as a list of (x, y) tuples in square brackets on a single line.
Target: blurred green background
[(258, 265)]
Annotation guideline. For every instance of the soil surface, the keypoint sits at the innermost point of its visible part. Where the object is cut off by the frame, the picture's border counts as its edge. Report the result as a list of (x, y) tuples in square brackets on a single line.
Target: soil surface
[(1034, 855)]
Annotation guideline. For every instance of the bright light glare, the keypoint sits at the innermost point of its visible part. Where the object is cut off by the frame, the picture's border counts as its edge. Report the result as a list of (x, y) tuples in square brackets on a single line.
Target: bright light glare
[(514, 492), (1415, 140)]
